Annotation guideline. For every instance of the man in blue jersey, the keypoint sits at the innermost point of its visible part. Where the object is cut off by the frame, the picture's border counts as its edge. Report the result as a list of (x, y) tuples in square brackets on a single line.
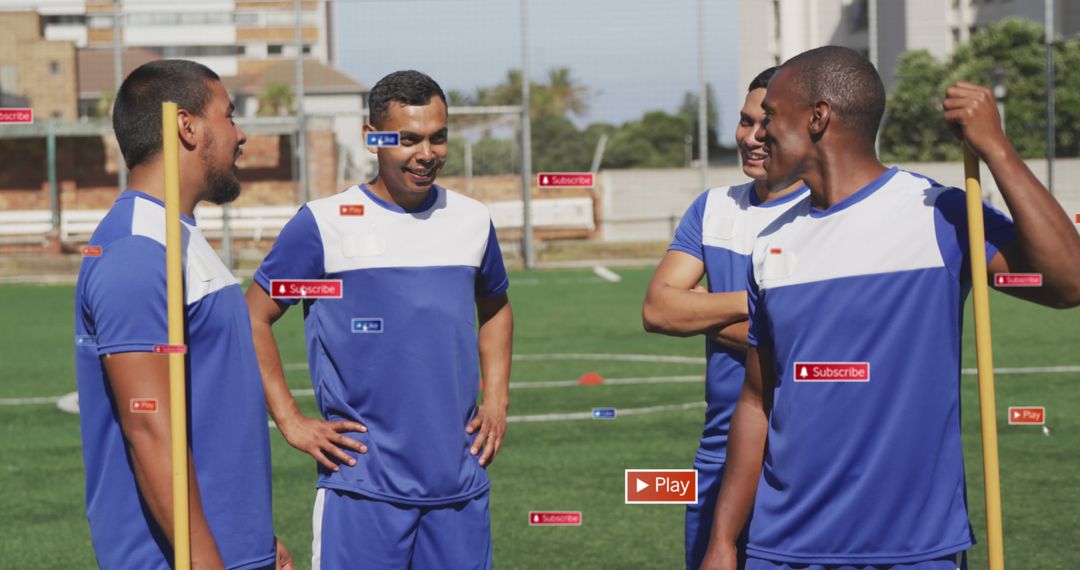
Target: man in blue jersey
[(845, 443), (120, 319), (714, 240), (396, 361)]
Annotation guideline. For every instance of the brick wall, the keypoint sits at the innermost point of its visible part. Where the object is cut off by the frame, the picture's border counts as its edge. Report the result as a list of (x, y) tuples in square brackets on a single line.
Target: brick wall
[(45, 70), (86, 171)]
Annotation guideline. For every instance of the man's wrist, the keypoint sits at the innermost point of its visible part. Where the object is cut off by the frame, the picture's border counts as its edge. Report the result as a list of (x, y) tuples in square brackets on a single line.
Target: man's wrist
[(498, 401), (286, 417)]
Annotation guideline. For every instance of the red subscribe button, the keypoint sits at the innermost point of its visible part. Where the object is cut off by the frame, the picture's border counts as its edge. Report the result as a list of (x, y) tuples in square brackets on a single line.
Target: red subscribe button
[(555, 518), (832, 372), (1018, 279), (305, 288)]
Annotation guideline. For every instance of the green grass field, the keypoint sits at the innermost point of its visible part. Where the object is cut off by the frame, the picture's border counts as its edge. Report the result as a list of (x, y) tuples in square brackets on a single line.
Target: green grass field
[(554, 465)]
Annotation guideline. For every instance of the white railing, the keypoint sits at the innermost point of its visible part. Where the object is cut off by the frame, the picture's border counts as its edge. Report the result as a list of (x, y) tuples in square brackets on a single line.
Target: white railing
[(259, 222)]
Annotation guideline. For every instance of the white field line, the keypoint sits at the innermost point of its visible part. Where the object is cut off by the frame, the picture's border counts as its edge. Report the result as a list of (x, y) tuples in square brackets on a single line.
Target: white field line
[(619, 412), (1005, 371), (606, 274), (1025, 370), (565, 383), (696, 360), (613, 357), (589, 415), (576, 356), (532, 281), (29, 401)]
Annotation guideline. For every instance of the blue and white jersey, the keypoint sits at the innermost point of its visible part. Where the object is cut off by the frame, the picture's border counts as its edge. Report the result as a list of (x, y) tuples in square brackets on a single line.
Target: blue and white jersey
[(398, 351), (720, 228), (120, 306), (863, 304)]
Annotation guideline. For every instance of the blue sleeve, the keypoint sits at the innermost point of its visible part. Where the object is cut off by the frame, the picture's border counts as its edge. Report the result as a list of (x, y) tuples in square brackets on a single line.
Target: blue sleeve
[(950, 225), (297, 253), (126, 296), (759, 333), (688, 234), (491, 279)]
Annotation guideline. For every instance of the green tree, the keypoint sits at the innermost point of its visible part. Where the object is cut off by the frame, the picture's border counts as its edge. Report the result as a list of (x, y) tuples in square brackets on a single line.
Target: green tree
[(689, 109), (562, 94), (558, 145), (915, 129), (657, 140), (491, 156), (910, 132), (104, 105), (567, 95), (276, 100)]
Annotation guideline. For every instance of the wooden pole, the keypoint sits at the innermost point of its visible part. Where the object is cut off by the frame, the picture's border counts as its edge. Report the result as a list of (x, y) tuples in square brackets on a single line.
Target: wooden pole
[(987, 405)]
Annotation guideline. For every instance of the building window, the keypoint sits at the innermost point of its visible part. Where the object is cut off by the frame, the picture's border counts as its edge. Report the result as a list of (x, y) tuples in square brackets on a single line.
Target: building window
[(307, 49), (195, 51), (776, 21), (99, 21), (9, 79), (65, 20), (54, 67), (275, 49), (859, 14), (956, 36), (179, 18)]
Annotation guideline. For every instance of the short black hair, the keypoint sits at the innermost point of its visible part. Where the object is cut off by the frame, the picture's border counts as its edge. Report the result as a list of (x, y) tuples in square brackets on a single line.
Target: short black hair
[(137, 111), (847, 81), (762, 79), (408, 87)]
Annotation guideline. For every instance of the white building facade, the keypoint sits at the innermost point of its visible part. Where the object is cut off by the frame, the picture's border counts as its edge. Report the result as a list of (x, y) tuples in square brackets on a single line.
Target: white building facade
[(771, 31), (232, 37)]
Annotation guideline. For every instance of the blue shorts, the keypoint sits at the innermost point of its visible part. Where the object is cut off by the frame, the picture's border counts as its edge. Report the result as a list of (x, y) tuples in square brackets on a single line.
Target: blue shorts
[(353, 531), (699, 516), (952, 562)]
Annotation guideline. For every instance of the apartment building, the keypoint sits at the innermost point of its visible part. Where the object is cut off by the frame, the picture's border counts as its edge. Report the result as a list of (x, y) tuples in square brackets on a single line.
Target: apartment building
[(771, 31), (232, 37), (34, 69)]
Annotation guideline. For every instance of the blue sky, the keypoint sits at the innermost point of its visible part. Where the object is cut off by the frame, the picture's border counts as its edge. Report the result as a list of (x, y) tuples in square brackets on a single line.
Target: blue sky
[(634, 55)]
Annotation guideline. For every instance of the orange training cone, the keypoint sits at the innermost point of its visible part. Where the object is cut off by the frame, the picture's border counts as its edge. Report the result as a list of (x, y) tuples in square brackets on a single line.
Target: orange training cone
[(590, 378)]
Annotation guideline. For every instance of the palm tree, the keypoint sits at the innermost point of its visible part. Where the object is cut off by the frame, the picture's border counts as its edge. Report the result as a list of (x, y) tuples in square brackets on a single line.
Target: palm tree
[(276, 100), (566, 94)]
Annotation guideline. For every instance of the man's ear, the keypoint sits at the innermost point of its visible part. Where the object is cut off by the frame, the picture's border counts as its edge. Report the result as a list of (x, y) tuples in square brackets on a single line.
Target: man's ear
[(369, 128), (820, 116), (185, 124)]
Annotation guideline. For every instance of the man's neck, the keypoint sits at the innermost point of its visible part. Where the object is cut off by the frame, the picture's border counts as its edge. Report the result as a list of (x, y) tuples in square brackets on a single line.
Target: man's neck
[(763, 194), (150, 179), (840, 176), (409, 201)]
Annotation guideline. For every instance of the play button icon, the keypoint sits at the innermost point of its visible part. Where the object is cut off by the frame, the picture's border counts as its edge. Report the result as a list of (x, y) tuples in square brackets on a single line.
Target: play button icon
[(661, 486), (1027, 415)]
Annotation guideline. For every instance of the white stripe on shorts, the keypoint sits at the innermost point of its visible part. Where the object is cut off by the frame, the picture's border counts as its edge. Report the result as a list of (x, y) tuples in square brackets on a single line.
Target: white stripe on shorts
[(316, 529)]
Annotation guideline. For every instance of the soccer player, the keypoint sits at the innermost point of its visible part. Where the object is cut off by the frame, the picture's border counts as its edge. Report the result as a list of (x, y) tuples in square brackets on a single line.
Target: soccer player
[(120, 316), (859, 462), (394, 361), (715, 239)]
